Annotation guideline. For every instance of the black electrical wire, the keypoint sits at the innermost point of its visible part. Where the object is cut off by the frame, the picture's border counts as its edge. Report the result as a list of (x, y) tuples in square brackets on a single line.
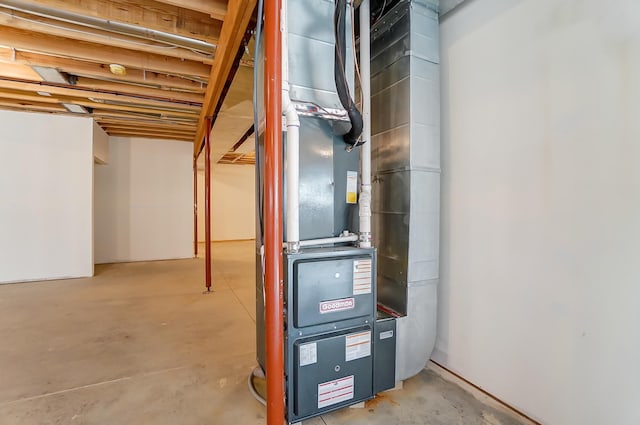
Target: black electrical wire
[(256, 126), (342, 86)]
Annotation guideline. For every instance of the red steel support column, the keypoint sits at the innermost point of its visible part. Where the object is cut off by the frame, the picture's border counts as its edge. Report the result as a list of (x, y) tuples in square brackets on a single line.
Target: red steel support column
[(195, 206), (207, 203), (273, 214)]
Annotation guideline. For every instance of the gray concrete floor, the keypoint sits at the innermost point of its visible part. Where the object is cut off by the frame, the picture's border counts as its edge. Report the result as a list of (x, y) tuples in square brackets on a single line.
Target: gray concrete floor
[(140, 344)]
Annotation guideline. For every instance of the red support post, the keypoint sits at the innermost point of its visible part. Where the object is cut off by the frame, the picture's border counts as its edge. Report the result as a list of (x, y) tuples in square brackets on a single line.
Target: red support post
[(207, 203), (273, 214), (195, 206)]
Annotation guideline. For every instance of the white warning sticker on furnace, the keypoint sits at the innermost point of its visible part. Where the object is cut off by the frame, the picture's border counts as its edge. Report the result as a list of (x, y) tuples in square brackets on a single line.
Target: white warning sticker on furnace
[(308, 354), (357, 346), (352, 187), (334, 392), (361, 277)]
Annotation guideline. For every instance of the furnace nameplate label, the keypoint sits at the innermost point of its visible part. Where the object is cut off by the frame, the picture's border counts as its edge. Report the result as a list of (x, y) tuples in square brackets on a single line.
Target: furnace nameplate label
[(308, 354), (334, 392), (361, 277), (352, 187), (357, 346)]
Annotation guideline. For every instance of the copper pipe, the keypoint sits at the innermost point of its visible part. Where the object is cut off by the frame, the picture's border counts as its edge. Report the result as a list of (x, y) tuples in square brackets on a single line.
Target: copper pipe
[(207, 203), (273, 214), (195, 207)]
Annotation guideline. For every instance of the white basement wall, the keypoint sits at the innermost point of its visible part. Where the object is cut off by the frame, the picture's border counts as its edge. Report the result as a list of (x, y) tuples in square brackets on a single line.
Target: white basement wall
[(232, 202), (100, 145), (144, 201), (540, 294), (46, 185)]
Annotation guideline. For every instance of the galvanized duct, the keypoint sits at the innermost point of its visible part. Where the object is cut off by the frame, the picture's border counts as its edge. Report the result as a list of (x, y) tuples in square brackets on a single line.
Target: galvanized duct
[(406, 173)]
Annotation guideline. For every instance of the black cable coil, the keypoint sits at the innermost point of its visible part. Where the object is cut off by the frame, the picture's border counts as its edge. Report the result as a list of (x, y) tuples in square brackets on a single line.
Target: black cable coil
[(342, 86)]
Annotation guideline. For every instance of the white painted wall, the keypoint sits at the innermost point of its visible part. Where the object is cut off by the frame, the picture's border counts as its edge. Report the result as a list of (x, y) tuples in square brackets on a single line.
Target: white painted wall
[(100, 145), (540, 295), (46, 185), (144, 201), (232, 203)]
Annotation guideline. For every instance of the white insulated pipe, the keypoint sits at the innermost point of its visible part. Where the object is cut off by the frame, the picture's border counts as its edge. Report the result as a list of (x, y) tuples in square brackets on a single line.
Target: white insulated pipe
[(365, 154), (292, 151), (345, 237), (327, 241)]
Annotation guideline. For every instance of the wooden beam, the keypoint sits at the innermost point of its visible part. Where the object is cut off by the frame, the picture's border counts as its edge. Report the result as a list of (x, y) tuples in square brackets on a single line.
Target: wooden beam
[(115, 122), (143, 110), (217, 9), (92, 52), (133, 130), (182, 136), (144, 13), (167, 129), (36, 100), (143, 122), (149, 136), (71, 92), (34, 23), (167, 95), (100, 71), (16, 70), (56, 104), (27, 104), (235, 24), (100, 113), (29, 97)]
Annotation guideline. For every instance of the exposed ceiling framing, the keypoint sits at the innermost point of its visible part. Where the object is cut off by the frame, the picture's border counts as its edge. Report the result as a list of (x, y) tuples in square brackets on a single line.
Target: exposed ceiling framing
[(177, 55)]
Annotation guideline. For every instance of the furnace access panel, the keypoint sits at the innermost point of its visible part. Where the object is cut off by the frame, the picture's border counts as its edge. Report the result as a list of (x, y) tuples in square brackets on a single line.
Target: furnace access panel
[(329, 315)]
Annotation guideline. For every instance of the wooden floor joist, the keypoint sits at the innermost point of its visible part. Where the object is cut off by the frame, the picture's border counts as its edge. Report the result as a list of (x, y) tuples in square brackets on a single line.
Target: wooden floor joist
[(100, 71), (150, 136), (217, 9), (150, 14), (154, 93), (74, 49), (34, 23), (78, 93), (141, 68)]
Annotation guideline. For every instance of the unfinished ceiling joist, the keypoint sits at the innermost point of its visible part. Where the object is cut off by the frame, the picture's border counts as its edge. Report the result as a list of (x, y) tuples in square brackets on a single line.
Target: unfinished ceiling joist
[(151, 136), (217, 9), (92, 52), (74, 92), (141, 68), (17, 104), (239, 14), (100, 71), (32, 23), (109, 129), (165, 95), (151, 14), (143, 123), (100, 113)]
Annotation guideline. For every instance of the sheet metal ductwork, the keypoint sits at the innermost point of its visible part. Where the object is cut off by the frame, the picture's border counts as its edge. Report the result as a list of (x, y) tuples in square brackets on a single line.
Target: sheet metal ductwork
[(405, 102), (340, 347)]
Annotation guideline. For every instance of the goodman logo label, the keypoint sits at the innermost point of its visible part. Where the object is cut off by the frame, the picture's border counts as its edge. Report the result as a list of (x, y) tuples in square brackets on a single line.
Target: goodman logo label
[(337, 305)]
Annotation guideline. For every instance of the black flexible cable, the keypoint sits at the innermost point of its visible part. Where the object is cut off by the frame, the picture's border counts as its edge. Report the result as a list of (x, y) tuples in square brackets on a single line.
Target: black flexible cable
[(342, 86)]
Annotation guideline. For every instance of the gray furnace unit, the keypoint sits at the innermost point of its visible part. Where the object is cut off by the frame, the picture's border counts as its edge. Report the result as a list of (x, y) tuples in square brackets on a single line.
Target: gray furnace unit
[(339, 350)]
